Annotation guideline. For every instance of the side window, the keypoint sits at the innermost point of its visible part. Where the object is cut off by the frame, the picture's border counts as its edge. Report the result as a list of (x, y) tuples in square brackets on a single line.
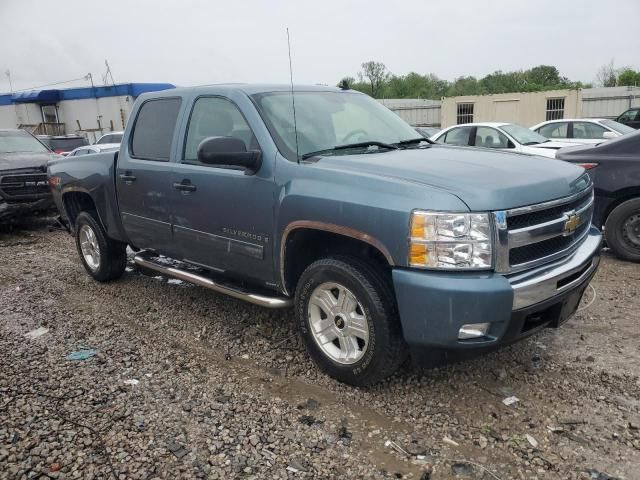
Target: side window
[(106, 139), (630, 115), (457, 136), (216, 117), (491, 138), (154, 128), (554, 130), (587, 130)]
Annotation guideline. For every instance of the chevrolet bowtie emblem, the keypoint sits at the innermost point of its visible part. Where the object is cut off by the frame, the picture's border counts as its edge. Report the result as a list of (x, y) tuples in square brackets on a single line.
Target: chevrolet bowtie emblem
[(571, 224)]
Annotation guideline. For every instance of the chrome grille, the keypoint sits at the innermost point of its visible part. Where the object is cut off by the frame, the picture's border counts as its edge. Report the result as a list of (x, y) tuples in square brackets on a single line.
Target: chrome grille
[(530, 236), (19, 186)]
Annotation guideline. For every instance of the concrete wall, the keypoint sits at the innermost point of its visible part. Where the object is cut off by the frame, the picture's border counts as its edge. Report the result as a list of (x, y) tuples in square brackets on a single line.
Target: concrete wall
[(416, 112), (609, 102), (527, 108)]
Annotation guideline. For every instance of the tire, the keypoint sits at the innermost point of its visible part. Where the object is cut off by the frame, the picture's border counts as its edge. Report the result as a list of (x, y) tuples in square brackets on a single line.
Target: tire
[(111, 259), (622, 230), (371, 346)]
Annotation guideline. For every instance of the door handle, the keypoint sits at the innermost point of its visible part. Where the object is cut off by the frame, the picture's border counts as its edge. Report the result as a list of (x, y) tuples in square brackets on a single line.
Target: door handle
[(127, 177), (184, 186)]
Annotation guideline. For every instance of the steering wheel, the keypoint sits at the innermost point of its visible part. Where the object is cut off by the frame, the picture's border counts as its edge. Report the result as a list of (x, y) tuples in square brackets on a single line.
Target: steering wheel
[(353, 133)]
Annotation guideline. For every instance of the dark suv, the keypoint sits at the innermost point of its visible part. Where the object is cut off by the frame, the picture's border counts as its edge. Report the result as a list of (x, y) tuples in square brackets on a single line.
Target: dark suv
[(63, 144), (631, 118)]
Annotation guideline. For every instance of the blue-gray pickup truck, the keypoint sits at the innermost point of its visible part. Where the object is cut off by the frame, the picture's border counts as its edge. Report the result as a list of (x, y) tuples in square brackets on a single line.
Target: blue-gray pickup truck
[(321, 199)]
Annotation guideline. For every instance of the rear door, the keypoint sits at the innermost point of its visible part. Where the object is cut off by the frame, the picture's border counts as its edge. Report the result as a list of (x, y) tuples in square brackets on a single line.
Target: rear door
[(143, 176), (223, 218)]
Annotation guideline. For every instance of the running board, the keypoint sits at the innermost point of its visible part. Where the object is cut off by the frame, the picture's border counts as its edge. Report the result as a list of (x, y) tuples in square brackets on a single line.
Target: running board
[(257, 299)]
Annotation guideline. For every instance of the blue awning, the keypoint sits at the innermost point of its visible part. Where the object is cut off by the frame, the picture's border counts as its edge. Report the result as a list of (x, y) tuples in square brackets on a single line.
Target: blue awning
[(37, 96)]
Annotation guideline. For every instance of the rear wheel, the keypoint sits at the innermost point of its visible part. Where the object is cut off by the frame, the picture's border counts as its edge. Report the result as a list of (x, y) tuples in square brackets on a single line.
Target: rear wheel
[(622, 230), (348, 318), (103, 258)]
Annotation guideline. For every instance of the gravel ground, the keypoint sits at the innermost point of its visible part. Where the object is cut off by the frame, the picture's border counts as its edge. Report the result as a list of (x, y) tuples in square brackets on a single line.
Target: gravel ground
[(186, 383)]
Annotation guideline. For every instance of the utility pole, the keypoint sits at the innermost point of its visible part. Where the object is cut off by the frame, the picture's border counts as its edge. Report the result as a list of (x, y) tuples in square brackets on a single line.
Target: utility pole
[(8, 74)]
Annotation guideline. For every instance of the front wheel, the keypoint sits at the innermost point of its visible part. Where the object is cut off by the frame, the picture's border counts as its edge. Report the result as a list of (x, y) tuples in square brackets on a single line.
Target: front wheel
[(348, 318), (103, 258), (622, 230)]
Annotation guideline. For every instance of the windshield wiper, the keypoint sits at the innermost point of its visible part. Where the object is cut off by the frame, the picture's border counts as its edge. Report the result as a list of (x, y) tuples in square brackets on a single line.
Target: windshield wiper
[(350, 145), (414, 140), (535, 143)]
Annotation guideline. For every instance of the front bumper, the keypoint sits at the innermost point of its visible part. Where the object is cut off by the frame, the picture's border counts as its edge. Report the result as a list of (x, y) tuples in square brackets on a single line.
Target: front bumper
[(17, 209), (434, 305)]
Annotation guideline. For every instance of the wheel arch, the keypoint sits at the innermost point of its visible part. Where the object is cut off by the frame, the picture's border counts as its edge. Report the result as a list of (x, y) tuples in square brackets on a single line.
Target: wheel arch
[(303, 242), (619, 198), (77, 201)]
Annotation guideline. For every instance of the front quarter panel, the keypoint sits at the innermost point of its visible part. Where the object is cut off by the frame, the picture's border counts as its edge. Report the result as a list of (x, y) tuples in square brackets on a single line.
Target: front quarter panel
[(377, 207)]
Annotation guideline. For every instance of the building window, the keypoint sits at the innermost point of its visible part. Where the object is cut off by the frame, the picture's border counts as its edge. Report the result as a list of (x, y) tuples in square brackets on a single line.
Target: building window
[(555, 108), (465, 113)]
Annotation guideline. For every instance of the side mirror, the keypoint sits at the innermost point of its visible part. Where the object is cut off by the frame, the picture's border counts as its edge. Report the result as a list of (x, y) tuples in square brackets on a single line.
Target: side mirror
[(229, 151), (609, 135)]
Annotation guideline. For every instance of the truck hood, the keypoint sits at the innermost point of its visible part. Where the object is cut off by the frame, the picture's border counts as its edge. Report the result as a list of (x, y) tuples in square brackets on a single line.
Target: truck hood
[(20, 160), (483, 179)]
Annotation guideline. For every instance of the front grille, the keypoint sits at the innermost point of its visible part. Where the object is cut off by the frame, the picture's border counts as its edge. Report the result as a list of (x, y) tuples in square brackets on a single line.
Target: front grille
[(537, 234), (24, 185), (541, 216), (534, 251)]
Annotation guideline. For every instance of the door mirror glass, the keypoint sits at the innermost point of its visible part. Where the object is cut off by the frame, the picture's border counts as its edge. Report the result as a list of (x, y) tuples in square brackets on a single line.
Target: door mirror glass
[(228, 151)]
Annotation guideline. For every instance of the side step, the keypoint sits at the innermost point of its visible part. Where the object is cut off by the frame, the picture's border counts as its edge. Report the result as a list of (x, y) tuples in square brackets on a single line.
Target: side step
[(144, 260)]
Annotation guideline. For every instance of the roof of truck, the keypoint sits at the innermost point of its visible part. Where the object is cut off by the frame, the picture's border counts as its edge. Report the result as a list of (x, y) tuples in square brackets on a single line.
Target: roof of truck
[(249, 89)]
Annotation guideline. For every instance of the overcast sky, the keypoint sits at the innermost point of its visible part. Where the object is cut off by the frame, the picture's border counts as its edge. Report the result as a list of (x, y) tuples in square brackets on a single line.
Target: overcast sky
[(190, 42)]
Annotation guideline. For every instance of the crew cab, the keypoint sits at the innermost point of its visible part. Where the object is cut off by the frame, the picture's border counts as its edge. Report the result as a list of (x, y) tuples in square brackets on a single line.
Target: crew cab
[(385, 244)]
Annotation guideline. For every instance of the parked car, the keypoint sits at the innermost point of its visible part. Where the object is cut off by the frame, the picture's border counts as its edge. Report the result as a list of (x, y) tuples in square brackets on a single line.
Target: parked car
[(385, 244), (63, 144), (503, 136), (23, 178), (427, 132), (582, 131), (614, 167), (87, 149), (631, 118), (113, 137)]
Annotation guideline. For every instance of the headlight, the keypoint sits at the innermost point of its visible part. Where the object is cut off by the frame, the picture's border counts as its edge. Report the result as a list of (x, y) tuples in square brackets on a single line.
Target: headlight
[(450, 240)]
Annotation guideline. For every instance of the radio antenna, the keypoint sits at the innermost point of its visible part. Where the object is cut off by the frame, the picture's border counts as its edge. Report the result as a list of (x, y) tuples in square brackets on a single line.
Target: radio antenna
[(293, 98)]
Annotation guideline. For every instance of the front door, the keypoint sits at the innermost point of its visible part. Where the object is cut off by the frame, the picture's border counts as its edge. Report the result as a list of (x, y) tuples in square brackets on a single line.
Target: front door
[(222, 217), (143, 176)]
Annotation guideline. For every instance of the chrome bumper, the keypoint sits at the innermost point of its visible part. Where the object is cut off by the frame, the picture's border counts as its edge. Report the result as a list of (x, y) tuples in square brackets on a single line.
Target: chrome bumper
[(539, 284)]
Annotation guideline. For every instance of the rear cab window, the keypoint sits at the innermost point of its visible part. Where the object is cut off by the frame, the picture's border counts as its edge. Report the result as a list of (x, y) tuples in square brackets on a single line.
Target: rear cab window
[(154, 128)]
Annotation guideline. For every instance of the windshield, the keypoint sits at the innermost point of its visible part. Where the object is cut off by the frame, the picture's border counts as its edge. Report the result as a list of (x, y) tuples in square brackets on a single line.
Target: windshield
[(618, 127), (13, 142), (110, 138), (522, 135), (329, 119)]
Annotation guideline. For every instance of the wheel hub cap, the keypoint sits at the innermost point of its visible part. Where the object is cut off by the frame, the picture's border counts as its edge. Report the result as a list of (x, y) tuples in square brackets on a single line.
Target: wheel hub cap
[(89, 247), (631, 231), (338, 323)]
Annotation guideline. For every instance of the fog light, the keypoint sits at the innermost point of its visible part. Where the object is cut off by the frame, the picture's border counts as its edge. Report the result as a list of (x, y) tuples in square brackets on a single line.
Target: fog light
[(473, 330)]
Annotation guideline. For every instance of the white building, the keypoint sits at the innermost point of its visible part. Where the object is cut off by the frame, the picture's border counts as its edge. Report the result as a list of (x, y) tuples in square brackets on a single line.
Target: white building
[(525, 108), (89, 111)]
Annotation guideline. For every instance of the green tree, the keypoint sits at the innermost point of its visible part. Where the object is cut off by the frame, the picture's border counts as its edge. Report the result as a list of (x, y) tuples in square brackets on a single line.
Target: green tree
[(376, 75), (629, 77)]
